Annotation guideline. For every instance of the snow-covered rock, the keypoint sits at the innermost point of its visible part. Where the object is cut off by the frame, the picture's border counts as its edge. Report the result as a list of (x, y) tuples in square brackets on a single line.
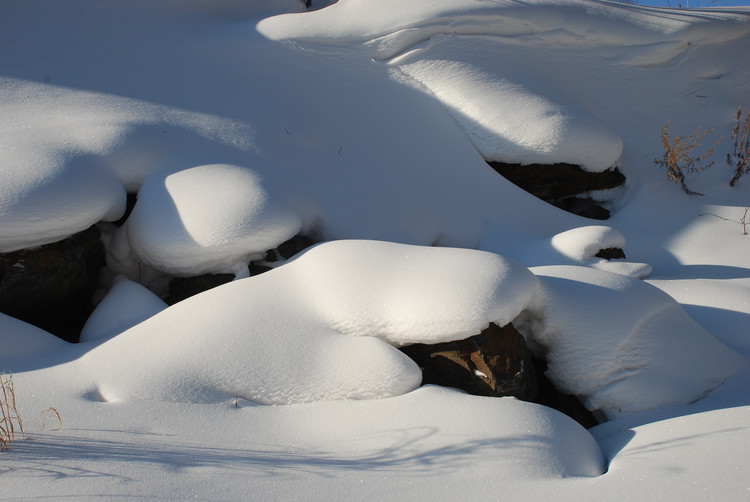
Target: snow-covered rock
[(212, 218), (622, 345)]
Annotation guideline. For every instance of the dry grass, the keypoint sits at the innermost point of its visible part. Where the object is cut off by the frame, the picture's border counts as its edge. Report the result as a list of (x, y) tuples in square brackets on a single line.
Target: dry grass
[(740, 138), (49, 413), (679, 158), (9, 417)]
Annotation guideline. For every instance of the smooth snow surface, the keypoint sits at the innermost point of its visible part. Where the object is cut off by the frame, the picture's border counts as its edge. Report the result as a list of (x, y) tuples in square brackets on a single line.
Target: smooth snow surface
[(368, 125)]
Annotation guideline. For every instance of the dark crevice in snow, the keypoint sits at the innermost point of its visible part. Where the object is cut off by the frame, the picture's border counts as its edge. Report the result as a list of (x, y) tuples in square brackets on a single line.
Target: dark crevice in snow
[(563, 185), (52, 286)]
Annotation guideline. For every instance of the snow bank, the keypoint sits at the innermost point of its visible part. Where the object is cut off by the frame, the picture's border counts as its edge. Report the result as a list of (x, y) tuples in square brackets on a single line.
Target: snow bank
[(212, 218), (507, 122), (126, 304), (622, 344)]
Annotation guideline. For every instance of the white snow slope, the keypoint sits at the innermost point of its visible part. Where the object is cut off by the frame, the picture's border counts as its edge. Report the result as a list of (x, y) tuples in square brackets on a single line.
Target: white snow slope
[(241, 123)]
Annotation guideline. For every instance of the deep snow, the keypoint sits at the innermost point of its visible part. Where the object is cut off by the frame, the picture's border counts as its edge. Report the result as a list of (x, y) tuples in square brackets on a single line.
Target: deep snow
[(241, 123)]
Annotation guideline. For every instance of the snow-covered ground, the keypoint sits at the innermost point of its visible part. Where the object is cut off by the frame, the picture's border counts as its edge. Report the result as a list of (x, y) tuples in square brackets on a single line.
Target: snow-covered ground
[(243, 122)]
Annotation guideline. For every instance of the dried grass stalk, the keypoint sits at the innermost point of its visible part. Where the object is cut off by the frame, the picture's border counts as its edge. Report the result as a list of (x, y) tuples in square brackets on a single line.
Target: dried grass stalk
[(678, 156), (740, 138)]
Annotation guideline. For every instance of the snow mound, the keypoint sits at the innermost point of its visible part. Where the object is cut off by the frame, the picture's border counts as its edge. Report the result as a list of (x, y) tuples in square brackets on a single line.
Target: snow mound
[(25, 346), (513, 439), (509, 123), (283, 337), (211, 218), (413, 294), (646, 352), (126, 304), (583, 243)]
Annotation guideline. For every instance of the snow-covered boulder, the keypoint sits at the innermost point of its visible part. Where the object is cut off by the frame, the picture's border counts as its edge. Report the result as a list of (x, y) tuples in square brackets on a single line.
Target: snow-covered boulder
[(622, 345), (210, 218)]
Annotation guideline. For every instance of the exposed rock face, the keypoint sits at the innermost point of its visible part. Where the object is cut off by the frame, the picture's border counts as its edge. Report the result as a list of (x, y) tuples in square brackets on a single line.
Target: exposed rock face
[(611, 254), (495, 362), (181, 288), (561, 184), (51, 286)]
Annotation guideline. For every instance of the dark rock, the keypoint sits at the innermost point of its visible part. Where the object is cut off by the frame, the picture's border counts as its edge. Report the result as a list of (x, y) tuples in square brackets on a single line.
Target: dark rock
[(559, 183), (294, 245), (256, 268), (495, 362), (52, 286), (549, 396), (611, 254), (181, 288), (586, 207)]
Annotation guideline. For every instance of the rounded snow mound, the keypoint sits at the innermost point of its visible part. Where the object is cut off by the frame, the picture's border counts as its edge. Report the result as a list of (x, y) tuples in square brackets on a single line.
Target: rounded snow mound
[(413, 294), (622, 344), (582, 244), (126, 304), (211, 218), (282, 337)]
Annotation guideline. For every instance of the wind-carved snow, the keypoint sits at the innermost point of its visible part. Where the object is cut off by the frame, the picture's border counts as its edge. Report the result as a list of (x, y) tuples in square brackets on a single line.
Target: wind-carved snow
[(621, 344), (212, 218)]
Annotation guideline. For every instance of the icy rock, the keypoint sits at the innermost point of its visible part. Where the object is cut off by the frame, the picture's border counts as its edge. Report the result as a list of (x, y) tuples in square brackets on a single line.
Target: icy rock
[(52, 286)]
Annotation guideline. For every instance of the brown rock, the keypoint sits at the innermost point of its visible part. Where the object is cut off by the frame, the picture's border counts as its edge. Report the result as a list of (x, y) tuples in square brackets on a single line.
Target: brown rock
[(495, 362)]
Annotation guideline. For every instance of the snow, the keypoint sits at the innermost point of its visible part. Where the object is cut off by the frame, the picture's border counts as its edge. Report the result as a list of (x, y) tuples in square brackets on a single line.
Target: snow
[(411, 294), (212, 218), (509, 123), (126, 304), (621, 344), (367, 124)]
